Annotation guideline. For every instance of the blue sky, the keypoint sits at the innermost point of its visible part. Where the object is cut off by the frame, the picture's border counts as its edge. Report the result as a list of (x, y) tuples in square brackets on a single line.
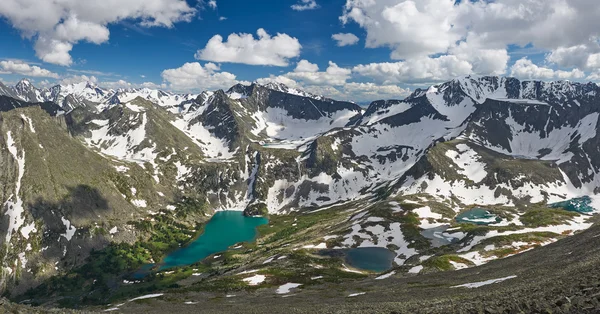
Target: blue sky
[(402, 44)]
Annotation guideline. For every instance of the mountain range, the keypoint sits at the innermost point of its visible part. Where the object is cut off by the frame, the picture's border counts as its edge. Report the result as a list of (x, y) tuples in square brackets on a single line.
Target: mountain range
[(85, 168)]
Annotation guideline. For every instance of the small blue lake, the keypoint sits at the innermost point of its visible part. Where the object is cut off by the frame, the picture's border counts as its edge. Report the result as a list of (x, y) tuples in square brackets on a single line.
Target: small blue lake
[(581, 205), (374, 259), (478, 216), (224, 229)]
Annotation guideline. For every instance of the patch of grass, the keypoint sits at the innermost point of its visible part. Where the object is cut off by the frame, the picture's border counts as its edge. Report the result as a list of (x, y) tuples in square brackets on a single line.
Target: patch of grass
[(443, 262), (532, 237), (546, 217)]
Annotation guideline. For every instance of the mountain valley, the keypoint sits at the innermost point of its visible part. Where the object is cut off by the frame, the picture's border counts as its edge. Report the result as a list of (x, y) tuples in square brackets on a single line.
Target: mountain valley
[(463, 182)]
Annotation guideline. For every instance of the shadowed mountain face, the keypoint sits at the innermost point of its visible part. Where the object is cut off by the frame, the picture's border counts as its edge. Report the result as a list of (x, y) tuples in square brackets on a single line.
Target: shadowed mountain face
[(132, 173)]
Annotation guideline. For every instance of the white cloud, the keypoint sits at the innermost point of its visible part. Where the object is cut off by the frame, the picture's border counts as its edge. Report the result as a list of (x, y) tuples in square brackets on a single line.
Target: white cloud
[(58, 25), (334, 75), (195, 77), (526, 69), (345, 39), (212, 4), (371, 91), (303, 5), (480, 32), (418, 70), (243, 48), (222, 18), (120, 84), (575, 56), (152, 85), (305, 66), (333, 83), (483, 61), (593, 61), (570, 75), (74, 79), (409, 28), (21, 68)]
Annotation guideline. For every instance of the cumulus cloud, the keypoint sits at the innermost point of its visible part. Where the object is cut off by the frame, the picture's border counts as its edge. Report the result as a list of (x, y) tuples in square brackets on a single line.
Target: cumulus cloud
[(303, 5), (306, 66), (195, 77), (244, 48), (417, 70), (410, 28), (371, 91), (22, 68), (479, 32), (74, 79), (333, 75), (526, 69), (333, 83), (212, 4), (58, 25), (345, 39)]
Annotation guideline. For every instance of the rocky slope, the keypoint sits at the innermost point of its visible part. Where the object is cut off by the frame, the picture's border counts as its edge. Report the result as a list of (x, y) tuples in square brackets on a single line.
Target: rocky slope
[(88, 168)]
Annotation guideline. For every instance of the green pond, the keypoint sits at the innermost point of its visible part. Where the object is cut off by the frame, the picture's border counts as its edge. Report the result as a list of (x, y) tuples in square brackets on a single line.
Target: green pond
[(224, 229), (478, 216), (374, 259), (581, 205)]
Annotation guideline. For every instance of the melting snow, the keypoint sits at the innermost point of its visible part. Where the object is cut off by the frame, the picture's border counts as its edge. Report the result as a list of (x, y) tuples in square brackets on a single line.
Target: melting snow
[(415, 270), (139, 203), (15, 208), (385, 276), (29, 122), (484, 283), (70, 229), (283, 289), (255, 280), (468, 162), (148, 296)]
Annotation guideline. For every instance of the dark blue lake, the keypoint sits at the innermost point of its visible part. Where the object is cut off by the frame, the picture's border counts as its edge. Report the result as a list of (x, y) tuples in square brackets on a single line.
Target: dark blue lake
[(374, 259)]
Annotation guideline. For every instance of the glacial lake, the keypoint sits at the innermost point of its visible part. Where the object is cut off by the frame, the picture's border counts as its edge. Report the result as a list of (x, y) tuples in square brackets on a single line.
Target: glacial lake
[(478, 216), (223, 230), (580, 205), (376, 259)]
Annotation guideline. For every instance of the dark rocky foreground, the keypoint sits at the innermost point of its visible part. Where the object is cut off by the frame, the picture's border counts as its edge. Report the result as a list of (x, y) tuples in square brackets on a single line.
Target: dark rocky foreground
[(560, 278)]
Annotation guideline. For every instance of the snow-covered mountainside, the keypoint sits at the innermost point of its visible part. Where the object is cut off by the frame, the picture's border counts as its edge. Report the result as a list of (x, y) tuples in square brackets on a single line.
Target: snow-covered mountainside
[(79, 160), (89, 94)]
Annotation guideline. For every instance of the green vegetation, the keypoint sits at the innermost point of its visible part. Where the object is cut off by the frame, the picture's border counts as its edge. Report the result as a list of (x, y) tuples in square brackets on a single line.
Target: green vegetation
[(99, 280), (546, 217), (532, 237), (443, 262)]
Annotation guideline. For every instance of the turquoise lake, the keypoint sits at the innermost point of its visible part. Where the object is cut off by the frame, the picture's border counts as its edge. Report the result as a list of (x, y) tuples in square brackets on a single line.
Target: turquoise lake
[(374, 259), (478, 216), (222, 231), (580, 205)]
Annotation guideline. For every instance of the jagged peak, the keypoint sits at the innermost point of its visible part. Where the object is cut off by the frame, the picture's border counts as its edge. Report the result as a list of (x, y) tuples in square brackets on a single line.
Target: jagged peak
[(24, 83)]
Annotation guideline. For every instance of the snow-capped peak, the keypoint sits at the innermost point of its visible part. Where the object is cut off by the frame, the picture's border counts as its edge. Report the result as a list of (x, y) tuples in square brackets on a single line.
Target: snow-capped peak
[(280, 87)]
